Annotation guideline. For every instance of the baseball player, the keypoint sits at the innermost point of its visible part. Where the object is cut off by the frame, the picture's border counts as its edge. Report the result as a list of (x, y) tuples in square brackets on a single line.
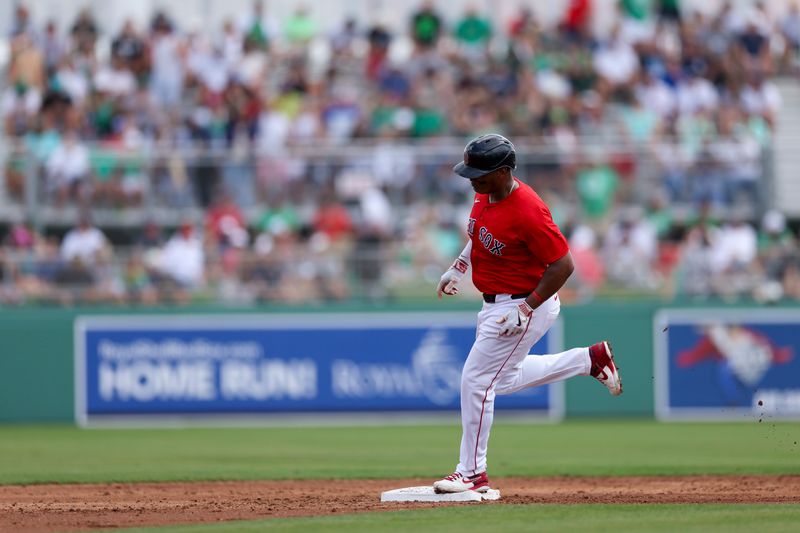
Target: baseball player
[(519, 261)]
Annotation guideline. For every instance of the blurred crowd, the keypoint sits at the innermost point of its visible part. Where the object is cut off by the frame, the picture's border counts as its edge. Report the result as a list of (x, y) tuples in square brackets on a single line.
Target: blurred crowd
[(638, 139)]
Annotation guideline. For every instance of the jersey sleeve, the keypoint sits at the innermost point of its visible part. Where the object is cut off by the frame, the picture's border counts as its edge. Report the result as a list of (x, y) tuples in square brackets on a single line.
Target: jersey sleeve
[(543, 237)]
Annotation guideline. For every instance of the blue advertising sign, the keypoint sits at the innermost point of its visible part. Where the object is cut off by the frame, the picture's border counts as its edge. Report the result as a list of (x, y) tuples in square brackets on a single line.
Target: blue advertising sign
[(727, 364), (147, 366)]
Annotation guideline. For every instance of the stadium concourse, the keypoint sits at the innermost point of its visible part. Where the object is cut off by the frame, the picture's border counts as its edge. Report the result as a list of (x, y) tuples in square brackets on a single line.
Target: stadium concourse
[(273, 160)]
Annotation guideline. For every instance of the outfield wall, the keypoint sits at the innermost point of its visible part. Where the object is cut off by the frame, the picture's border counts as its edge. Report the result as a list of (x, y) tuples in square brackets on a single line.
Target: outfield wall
[(37, 354)]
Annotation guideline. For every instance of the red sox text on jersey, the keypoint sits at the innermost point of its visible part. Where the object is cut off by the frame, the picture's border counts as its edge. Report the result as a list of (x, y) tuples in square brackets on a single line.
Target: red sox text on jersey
[(486, 238)]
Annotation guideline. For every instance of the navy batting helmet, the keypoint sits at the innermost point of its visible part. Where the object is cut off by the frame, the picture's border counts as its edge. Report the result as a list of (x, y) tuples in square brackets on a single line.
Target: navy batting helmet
[(485, 154)]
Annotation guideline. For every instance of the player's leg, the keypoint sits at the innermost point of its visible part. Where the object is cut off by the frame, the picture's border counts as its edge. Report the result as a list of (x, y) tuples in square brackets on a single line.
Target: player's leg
[(485, 365), (477, 408), (537, 370), (534, 370)]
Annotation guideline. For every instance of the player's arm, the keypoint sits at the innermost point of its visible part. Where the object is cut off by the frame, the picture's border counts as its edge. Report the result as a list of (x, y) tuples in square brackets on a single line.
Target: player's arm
[(449, 282), (556, 275)]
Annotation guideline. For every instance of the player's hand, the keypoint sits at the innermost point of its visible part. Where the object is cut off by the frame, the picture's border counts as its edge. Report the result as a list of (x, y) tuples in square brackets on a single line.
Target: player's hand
[(515, 321), (448, 284)]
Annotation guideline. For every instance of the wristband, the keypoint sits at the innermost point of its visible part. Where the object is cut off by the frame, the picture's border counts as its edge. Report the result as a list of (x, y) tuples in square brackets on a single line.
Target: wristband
[(536, 295), (460, 265)]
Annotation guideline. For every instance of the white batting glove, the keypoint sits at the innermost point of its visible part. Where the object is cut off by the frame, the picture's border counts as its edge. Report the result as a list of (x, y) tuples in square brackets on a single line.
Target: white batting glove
[(448, 284), (515, 321)]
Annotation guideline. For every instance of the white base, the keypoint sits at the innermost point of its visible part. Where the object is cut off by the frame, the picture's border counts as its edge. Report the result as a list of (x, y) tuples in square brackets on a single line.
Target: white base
[(426, 494)]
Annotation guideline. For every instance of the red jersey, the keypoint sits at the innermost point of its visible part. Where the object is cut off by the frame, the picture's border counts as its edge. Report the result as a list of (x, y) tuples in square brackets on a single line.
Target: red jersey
[(513, 242)]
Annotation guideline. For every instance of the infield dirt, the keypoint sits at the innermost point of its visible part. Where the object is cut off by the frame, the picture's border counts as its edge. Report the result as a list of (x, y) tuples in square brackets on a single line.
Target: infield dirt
[(71, 507)]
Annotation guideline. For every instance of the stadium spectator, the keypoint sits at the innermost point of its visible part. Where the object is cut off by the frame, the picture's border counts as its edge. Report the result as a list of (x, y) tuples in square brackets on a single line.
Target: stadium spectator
[(252, 67), (53, 47), (630, 250), (343, 38), (669, 10), (589, 266), (83, 274), (777, 250), (84, 243), (84, 33), (68, 170), (27, 63), (258, 26), (71, 82), (379, 40), (577, 19), (332, 218), (760, 97), (230, 45), (21, 23), (472, 33), (182, 263), (300, 28), (426, 25), (167, 52), (523, 22), (139, 287), (790, 30), (596, 184), (695, 270), (19, 106), (752, 45), (131, 49), (115, 80)]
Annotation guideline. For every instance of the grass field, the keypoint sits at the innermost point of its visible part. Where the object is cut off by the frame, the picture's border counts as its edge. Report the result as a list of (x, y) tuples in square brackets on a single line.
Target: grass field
[(42, 454), (544, 518)]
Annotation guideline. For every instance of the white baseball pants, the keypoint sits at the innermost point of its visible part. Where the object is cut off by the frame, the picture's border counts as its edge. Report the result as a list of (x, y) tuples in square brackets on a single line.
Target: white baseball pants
[(502, 365)]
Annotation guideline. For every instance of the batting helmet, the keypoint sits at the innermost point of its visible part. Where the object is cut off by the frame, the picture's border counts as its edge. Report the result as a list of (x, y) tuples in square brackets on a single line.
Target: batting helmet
[(485, 154)]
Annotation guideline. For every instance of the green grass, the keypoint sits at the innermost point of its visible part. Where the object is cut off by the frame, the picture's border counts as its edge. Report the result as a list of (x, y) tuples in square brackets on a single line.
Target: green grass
[(556, 518), (40, 454)]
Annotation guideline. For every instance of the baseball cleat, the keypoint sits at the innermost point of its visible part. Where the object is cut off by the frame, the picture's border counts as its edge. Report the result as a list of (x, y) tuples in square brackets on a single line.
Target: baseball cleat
[(457, 482), (603, 368)]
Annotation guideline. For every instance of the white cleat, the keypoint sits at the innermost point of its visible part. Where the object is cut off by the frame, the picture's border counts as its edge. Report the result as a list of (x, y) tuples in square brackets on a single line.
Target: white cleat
[(458, 483)]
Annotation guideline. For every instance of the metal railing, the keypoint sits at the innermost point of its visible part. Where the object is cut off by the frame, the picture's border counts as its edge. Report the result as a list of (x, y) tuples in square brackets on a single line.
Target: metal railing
[(125, 188)]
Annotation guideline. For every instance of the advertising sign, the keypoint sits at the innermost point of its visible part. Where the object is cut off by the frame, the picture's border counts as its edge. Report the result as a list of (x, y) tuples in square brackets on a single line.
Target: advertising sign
[(727, 364), (257, 365)]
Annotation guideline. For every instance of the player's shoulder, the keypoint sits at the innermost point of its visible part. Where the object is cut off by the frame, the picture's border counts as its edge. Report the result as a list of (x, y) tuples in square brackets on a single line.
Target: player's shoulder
[(528, 196)]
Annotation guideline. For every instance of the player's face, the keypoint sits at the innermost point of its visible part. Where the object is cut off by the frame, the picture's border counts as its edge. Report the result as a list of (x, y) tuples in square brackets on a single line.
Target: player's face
[(487, 183)]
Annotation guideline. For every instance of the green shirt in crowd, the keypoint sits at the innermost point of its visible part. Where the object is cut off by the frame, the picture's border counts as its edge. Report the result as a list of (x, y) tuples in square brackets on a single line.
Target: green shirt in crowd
[(473, 30), (596, 189)]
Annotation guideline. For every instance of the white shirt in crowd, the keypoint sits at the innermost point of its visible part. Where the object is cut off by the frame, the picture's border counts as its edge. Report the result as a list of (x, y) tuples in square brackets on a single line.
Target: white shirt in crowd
[(115, 82), (231, 45), (68, 162), (761, 98), (376, 209), (83, 243), (214, 73), (696, 93), (616, 61), (656, 95), (74, 83), (251, 68), (182, 259), (737, 244), (11, 101)]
